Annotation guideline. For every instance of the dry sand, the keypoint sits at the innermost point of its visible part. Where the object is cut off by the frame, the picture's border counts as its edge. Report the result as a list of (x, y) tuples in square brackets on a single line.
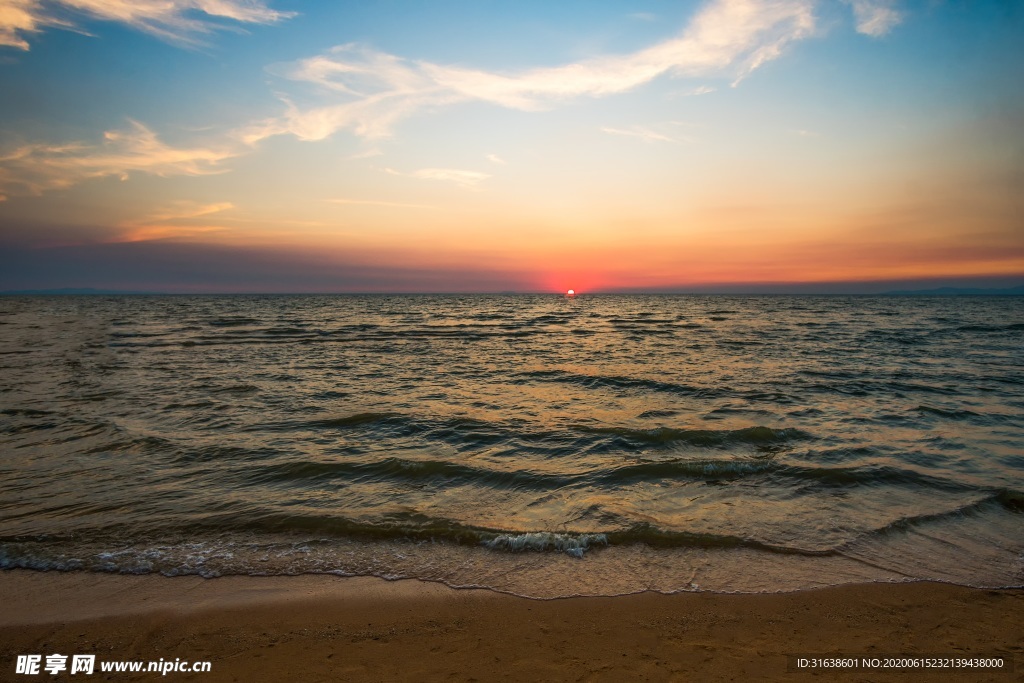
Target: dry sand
[(322, 628)]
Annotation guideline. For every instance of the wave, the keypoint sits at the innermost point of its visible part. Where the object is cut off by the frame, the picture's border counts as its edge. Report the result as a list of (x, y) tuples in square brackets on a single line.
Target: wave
[(570, 544), (708, 438), (399, 469), (618, 382), (235, 389), (336, 530), (571, 439), (657, 413), (355, 420), (233, 321), (1006, 500), (1012, 327), (345, 334), (312, 543), (706, 470), (26, 412), (950, 414), (308, 531)]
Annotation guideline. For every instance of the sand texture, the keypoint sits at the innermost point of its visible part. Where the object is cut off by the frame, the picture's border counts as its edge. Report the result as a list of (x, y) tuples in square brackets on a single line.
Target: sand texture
[(323, 628)]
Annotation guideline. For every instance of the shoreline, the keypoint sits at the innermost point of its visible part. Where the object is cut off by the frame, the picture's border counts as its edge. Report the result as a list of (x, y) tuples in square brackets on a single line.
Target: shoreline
[(324, 627)]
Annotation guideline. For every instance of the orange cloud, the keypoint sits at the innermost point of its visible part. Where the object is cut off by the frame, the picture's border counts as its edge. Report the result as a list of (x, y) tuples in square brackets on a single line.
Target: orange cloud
[(167, 223), (169, 20), (34, 169)]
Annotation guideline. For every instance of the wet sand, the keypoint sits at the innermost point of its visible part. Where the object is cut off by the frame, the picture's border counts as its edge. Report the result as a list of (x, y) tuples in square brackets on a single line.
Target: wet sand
[(324, 628)]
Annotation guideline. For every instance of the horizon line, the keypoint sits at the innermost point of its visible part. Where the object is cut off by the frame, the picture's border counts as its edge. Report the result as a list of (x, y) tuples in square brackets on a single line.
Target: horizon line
[(1009, 290)]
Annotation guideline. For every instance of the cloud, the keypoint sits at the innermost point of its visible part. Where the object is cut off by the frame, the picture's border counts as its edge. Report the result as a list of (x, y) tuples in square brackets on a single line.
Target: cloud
[(495, 159), (147, 233), (366, 154), (694, 92), (18, 17), (658, 132), (369, 91), (189, 209), (176, 21), (174, 221), (875, 18), (35, 168), (468, 179), (645, 134)]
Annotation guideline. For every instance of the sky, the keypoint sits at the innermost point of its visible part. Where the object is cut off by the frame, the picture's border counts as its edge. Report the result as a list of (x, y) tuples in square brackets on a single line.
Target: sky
[(481, 146)]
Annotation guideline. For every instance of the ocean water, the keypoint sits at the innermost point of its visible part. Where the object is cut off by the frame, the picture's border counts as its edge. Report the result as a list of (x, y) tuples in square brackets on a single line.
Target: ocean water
[(537, 445)]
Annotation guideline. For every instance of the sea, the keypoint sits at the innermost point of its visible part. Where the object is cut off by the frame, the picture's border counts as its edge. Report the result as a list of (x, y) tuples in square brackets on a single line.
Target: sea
[(531, 444)]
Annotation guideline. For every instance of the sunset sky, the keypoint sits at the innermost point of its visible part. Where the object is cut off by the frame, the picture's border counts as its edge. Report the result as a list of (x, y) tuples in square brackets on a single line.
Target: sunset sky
[(287, 146)]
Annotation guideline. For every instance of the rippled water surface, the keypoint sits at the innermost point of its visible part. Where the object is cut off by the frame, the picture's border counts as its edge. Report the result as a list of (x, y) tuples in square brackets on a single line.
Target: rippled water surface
[(533, 444)]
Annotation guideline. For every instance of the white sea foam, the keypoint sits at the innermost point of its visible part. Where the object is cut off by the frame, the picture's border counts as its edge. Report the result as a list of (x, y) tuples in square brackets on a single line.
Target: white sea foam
[(570, 544)]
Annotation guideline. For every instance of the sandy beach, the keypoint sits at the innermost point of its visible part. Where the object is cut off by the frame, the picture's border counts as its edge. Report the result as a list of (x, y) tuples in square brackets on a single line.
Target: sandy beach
[(324, 628)]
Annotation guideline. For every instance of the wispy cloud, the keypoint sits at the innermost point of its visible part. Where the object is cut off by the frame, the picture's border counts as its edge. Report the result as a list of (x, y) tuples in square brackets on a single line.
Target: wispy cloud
[(188, 209), (35, 168), (495, 159), (468, 179), (176, 21), (805, 133), (21, 17), (367, 154), (645, 134), (694, 92), (174, 221), (667, 131), (148, 233), (368, 91), (875, 17)]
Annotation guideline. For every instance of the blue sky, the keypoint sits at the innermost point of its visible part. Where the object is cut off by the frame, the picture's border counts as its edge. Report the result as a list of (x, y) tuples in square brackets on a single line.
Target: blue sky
[(483, 146)]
